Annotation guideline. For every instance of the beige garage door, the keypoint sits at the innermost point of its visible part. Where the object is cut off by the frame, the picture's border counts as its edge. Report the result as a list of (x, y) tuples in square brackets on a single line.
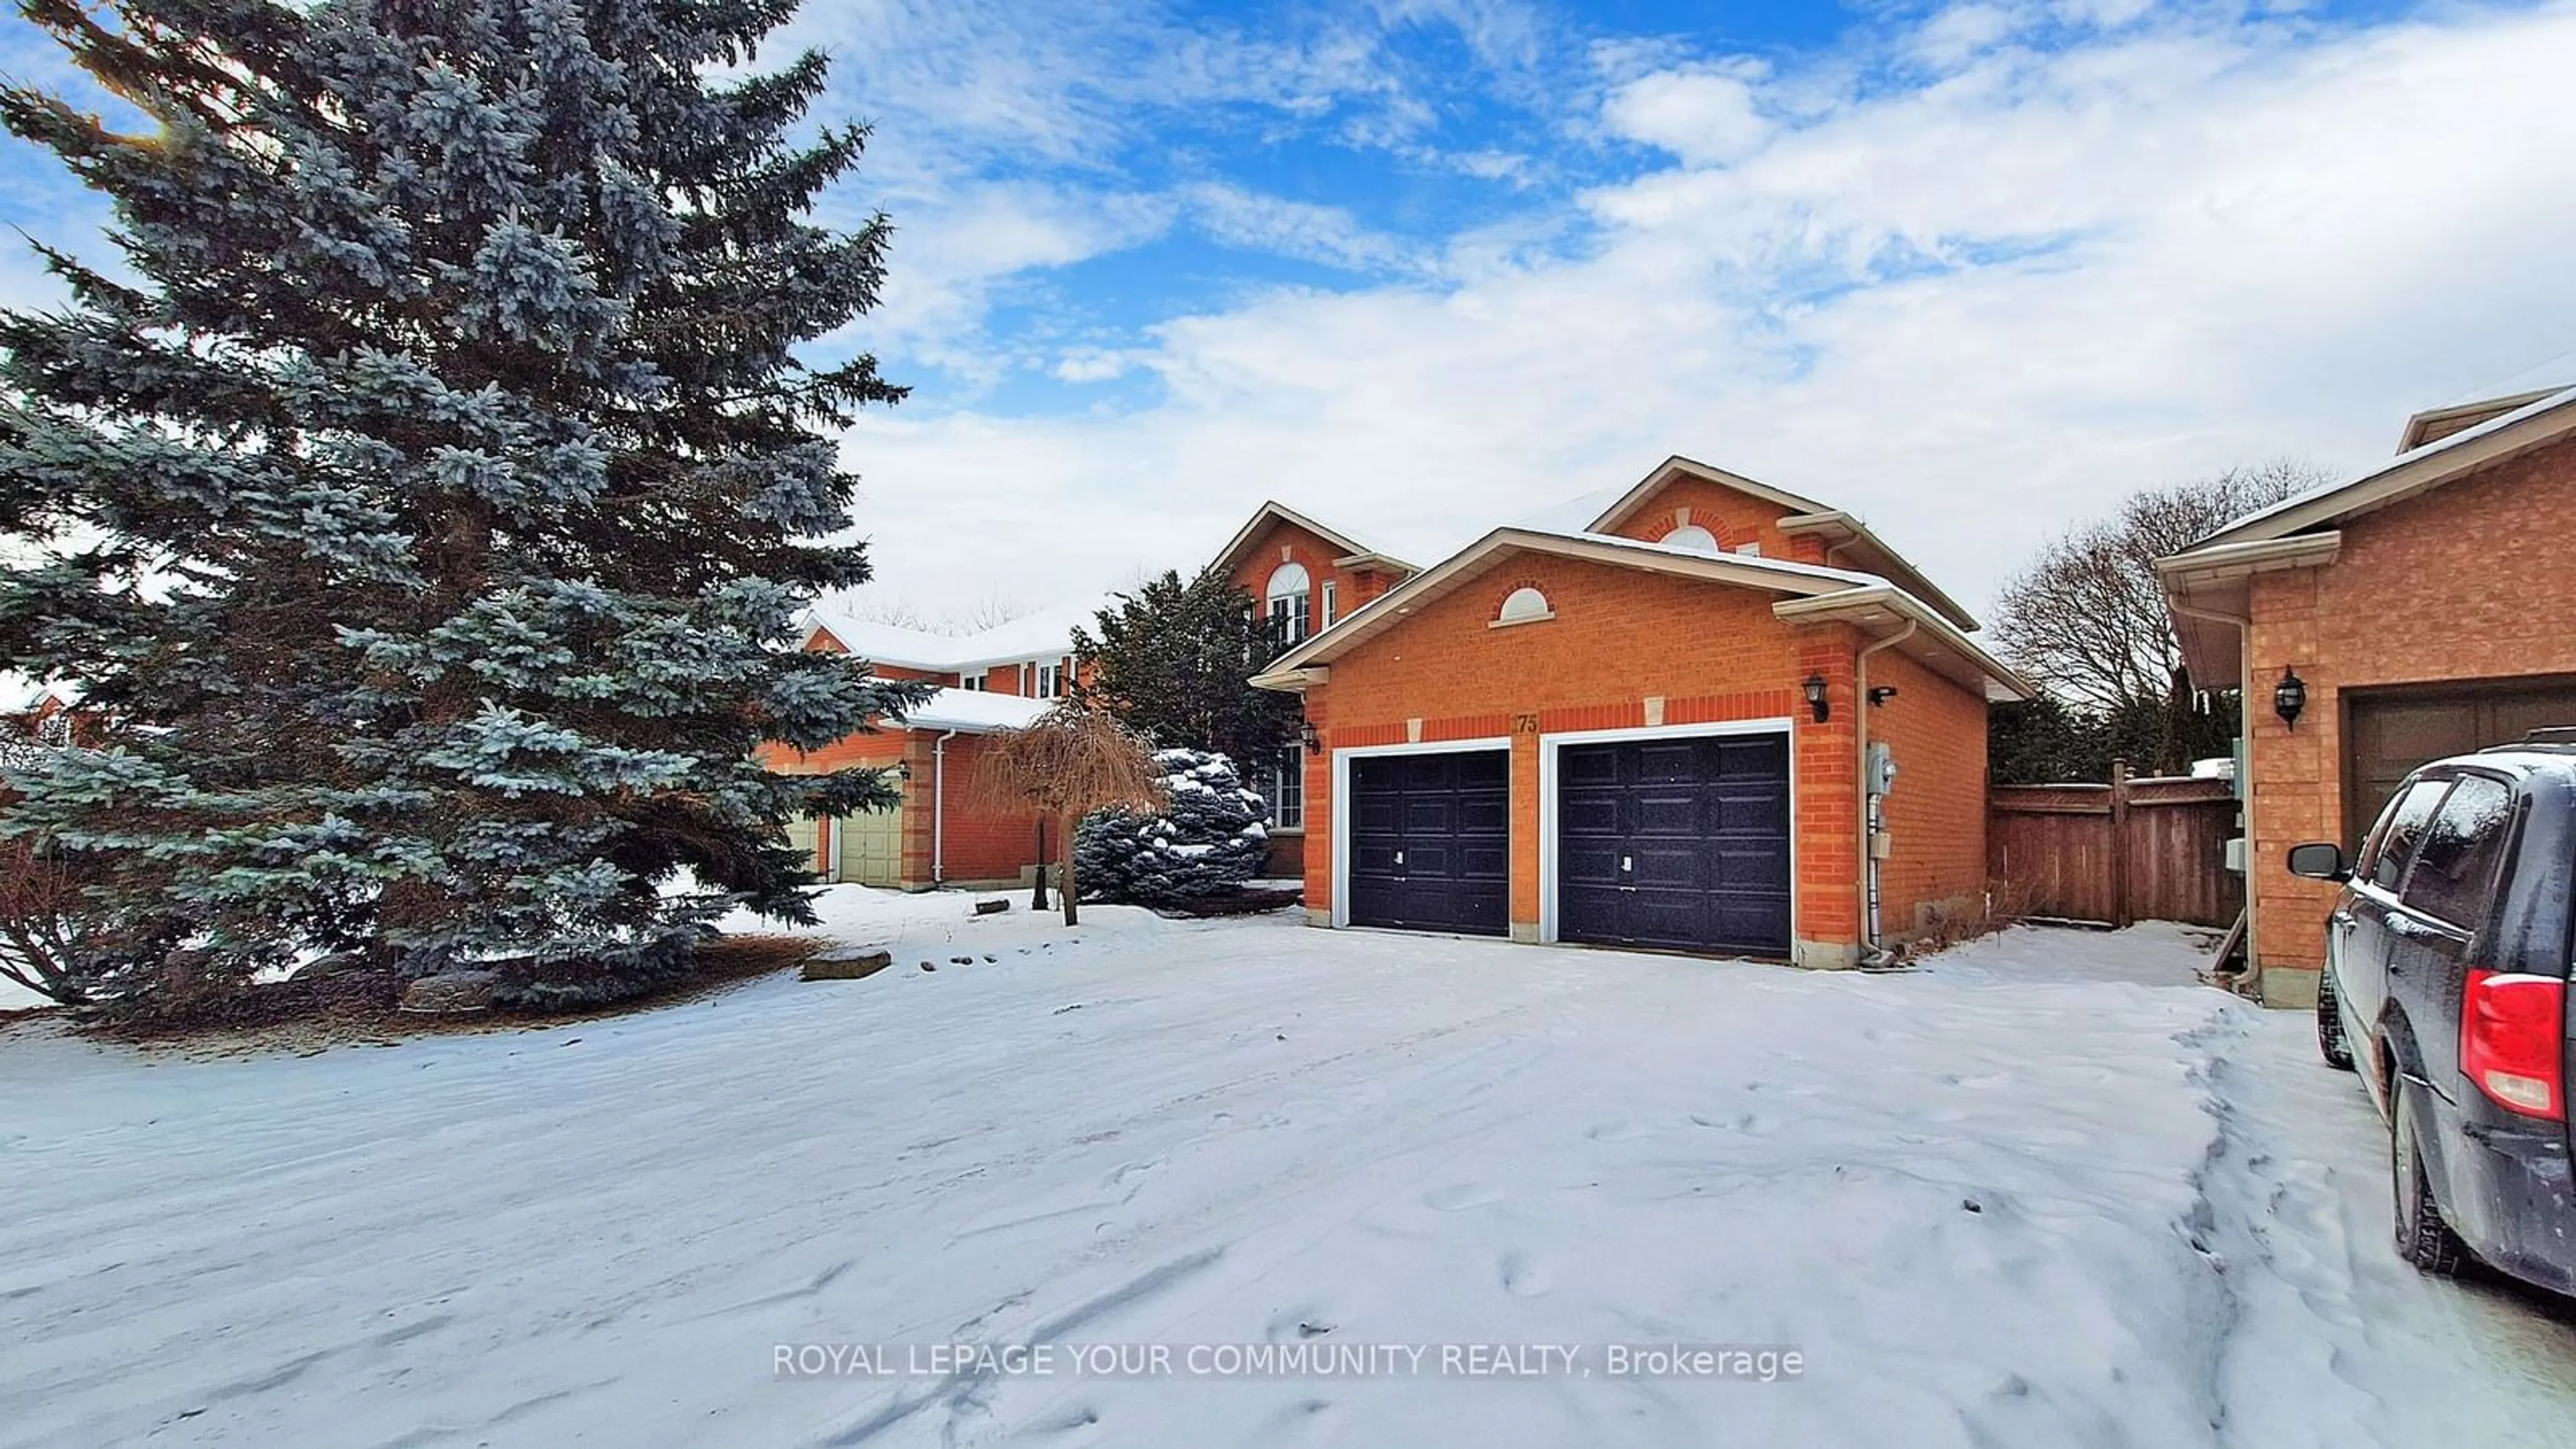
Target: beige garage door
[(2387, 733), (871, 847), (802, 833)]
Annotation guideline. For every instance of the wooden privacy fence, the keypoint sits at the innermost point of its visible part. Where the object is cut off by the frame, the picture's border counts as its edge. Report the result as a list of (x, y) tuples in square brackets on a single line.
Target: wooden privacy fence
[(2116, 854)]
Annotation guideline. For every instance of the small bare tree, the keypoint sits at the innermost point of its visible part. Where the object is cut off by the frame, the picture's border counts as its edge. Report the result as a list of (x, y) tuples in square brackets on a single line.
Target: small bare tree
[(1068, 762), (2087, 617)]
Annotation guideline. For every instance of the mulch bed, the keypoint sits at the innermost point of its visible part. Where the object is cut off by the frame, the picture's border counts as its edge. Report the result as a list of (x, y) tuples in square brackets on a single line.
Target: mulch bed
[(360, 1007)]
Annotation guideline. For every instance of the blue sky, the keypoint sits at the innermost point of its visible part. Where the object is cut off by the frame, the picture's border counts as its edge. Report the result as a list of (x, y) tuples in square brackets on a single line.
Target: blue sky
[(1420, 267)]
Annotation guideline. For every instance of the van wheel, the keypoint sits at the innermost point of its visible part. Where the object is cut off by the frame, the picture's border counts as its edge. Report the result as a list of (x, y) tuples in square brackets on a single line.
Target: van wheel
[(2423, 1239), (2330, 1039)]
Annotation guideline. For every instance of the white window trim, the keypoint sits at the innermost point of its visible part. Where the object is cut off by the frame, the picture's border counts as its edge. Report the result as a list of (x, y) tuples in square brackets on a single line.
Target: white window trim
[(1279, 770), (1550, 744), (1326, 619), (1341, 811)]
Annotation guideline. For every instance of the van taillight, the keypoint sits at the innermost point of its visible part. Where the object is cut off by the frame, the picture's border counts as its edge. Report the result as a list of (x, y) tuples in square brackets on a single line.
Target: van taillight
[(2513, 1041)]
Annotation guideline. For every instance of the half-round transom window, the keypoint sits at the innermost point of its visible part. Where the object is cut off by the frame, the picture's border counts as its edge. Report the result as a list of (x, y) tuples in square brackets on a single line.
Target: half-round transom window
[(1522, 605), (1287, 579), (1289, 599), (1693, 537)]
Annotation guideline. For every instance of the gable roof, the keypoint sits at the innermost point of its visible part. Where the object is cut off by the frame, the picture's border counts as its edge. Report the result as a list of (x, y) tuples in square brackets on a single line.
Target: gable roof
[(2209, 585), (2434, 424), (2547, 418), (1354, 552), (1836, 527), (1678, 466), (1811, 590)]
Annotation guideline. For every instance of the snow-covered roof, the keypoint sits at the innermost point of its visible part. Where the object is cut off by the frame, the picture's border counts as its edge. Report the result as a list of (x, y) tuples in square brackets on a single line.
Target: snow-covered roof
[(1042, 636), (975, 712), (1045, 634)]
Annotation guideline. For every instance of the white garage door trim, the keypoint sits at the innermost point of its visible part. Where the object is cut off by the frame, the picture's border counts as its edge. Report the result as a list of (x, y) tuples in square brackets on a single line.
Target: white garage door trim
[(1342, 805), (1549, 744)]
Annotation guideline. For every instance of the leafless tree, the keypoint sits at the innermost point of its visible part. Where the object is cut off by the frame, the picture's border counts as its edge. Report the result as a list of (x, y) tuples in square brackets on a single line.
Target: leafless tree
[(2087, 617), (1068, 762), (990, 612)]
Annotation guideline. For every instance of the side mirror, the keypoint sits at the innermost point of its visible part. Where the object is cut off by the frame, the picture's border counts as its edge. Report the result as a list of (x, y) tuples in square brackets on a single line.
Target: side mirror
[(2319, 860)]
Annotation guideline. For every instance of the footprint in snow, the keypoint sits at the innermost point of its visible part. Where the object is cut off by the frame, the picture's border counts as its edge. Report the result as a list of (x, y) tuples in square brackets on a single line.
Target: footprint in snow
[(1749, 1123), (1458, 1197), (1523, 1276)]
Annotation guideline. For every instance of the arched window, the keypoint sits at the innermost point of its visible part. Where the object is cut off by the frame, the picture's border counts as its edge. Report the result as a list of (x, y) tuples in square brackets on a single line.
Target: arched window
[(1691, 536), (1522, 606), (1291, 601)]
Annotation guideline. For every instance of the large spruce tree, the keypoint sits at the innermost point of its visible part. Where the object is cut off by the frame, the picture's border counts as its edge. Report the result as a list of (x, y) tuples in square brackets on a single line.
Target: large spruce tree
[(425, 501)]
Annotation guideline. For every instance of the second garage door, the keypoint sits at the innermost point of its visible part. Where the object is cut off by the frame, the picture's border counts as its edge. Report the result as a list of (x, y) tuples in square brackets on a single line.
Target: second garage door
[(1681, 843), (1430, 841), (2391, 732)]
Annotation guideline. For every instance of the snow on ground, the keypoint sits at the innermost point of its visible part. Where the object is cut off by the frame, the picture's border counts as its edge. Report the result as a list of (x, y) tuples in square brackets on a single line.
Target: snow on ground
[(2045, 1191)]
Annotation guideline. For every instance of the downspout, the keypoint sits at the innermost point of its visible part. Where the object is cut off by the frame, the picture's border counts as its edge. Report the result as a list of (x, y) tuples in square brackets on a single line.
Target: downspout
[(1870, 952), (2243, 624), (939, 807)]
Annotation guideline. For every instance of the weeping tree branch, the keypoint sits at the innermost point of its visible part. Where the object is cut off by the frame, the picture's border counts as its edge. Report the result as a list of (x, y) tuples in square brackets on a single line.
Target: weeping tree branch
[(1068, 762)]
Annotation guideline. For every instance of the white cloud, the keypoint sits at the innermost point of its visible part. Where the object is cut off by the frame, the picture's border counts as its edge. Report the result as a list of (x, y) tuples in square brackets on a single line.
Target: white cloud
[(1303, 230), (1705, 116), (1974, 310), (1962, 31)]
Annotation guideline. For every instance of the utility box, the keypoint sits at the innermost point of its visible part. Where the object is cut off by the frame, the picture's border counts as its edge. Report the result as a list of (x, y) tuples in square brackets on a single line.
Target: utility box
[(1879, 776), (1882, 845)]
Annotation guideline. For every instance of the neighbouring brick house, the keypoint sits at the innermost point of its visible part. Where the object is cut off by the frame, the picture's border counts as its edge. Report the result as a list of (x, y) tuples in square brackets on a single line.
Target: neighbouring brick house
[(2420, 607), (1651, 729), (991, 681), (1308, 577)]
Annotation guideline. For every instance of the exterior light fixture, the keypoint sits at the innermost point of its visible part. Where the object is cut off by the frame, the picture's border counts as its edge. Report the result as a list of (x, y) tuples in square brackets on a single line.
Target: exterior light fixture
[(1313, 741), (2289, 697), (1815, 687), (1880, 694)]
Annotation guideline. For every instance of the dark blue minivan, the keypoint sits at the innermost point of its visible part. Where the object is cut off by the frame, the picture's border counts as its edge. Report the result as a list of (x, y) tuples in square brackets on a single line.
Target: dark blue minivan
[(2446, 987)]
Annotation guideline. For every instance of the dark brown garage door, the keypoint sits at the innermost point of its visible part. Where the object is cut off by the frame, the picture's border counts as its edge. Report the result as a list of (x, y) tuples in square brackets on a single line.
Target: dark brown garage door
[(1430, 846), (2388, 733), (1682, 844)]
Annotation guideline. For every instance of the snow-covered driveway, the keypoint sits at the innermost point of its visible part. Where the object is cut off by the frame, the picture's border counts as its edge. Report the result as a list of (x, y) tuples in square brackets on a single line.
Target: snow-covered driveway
[(2021, 1197)]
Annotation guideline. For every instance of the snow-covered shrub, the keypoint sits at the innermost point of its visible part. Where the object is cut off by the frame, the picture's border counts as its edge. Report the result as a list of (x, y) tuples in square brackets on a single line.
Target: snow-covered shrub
[(1208, 841)]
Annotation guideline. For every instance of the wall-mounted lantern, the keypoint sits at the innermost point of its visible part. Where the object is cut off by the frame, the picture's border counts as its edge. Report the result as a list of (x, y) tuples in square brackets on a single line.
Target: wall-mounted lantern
[(1816, 697), (1313, 741), (2289, 697)]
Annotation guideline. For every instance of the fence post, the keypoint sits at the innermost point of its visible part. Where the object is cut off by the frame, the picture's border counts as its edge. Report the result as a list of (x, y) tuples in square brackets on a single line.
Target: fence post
[(2121, 914)]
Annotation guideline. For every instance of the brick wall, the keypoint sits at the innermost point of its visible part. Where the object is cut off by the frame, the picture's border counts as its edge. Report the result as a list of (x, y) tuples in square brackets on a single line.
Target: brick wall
[(1937, 811), (2466, 582), (975, 844), (1619, 636), (1284, 542), (1736, 518)]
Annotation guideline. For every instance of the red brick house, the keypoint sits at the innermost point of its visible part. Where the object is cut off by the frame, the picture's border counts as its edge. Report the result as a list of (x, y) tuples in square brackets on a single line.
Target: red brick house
[(1652, 730), (992, 681), (2417, 606), (1308, 577)]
